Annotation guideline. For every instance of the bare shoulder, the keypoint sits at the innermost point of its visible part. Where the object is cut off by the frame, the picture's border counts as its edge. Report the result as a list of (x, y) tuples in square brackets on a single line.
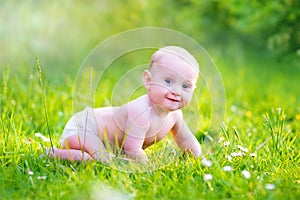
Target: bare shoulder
[(139, 110), (139, 105), (135, 111), (141, 101), (104, 111)]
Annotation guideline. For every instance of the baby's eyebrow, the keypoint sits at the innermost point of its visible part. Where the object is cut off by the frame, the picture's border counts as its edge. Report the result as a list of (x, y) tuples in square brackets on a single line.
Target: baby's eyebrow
[(167, 75), (189, 82)]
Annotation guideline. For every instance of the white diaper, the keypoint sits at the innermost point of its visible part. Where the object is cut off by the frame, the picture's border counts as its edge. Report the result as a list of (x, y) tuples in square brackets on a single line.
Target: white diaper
[(81, 123)]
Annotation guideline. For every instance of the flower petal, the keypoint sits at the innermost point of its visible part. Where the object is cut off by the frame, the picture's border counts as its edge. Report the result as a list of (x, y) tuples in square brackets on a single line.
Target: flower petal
[(206, 162), (270, 186), (207, 177), (246, 174), (227, 168)]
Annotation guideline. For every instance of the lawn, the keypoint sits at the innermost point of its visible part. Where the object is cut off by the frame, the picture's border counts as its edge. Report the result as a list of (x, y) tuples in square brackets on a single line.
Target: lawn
[(255, 151), (255, 156)]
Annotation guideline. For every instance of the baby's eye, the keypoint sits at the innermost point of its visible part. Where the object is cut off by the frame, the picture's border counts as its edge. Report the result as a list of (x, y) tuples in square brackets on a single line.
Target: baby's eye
[(168, 81), (186, 86)]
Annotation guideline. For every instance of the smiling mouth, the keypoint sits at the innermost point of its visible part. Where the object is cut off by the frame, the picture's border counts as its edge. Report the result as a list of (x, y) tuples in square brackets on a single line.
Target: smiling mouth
[(173, 100)]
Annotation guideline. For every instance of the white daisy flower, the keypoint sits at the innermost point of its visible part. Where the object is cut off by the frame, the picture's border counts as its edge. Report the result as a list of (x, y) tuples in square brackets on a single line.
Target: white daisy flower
[(30, 172), (229, 158), (227, 168), (206, 162), (270, 186), (246, 174), (226, 144), (236, 154), (207, 177), (253, 154), (242, 148), (42, 177), (221, 139)]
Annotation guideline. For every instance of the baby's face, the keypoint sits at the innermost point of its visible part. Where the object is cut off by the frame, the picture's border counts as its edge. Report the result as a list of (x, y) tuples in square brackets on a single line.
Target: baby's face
[(173, 81)]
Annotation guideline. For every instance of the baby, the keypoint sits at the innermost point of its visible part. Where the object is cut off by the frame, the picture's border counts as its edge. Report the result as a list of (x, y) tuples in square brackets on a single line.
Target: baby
[(170, 83)]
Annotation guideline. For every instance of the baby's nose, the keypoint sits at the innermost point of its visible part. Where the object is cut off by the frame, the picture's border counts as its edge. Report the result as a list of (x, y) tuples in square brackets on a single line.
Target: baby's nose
[(175, 91)]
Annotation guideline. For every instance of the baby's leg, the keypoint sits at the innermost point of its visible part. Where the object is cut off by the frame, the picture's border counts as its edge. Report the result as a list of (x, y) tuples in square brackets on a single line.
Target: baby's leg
[(89, 143), (80, 140), (81, 148)]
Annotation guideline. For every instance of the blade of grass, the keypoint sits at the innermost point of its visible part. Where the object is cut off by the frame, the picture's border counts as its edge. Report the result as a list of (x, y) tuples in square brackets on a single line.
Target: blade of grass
[(38, 66)]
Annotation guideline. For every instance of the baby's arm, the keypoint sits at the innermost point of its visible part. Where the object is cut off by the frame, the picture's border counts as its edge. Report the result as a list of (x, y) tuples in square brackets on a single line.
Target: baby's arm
[(184, 138), (135, 136)]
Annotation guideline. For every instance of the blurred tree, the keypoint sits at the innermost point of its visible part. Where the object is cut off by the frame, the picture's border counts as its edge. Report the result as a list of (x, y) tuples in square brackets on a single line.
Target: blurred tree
[(274, 24), (63, 33)]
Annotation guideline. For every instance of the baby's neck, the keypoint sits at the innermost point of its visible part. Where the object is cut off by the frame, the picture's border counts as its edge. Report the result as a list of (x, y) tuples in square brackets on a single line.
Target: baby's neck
[(159, 111)]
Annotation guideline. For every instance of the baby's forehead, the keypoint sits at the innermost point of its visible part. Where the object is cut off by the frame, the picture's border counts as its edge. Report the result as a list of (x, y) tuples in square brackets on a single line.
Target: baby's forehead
[(176, 68), (176, 54)]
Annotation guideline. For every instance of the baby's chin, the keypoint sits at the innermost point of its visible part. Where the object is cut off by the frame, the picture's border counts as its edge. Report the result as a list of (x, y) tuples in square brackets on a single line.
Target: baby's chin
[(172, 106)]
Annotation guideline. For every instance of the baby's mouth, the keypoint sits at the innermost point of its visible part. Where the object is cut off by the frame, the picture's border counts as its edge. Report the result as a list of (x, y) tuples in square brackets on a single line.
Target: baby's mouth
[(173, 99)]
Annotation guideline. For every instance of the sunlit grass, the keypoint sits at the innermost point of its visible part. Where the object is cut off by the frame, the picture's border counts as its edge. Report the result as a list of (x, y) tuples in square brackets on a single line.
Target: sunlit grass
[(256, 156)]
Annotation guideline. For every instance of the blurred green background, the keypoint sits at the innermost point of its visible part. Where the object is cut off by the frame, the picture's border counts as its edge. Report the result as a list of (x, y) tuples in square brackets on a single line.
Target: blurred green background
[(62, 33), (255, 44)]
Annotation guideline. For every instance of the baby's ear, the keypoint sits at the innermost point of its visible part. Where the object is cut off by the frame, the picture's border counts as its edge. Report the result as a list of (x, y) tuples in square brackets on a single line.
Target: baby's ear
[(147, 79)]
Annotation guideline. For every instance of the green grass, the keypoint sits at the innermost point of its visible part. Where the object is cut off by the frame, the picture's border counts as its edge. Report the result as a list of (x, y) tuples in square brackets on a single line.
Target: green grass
[(263, 115)]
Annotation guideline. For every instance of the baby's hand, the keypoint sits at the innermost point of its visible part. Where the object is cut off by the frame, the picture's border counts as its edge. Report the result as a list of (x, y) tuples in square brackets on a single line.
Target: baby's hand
[(107, 157), (138, 156)]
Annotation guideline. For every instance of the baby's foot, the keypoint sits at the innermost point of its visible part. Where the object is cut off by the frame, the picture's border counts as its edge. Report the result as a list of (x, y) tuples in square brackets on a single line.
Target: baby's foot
[(68, 154), (50, 152)]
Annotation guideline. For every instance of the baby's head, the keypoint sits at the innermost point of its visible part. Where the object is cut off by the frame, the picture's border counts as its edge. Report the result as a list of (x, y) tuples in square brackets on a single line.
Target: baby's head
[(174, 52), (172, 77)]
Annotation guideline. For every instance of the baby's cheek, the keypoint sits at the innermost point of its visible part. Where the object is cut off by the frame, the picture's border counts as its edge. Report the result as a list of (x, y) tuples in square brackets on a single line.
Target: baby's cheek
[(187, 101)]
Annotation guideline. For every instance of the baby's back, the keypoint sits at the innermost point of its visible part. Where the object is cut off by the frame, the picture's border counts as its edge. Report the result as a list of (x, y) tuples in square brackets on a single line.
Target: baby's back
[(113, 121)]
